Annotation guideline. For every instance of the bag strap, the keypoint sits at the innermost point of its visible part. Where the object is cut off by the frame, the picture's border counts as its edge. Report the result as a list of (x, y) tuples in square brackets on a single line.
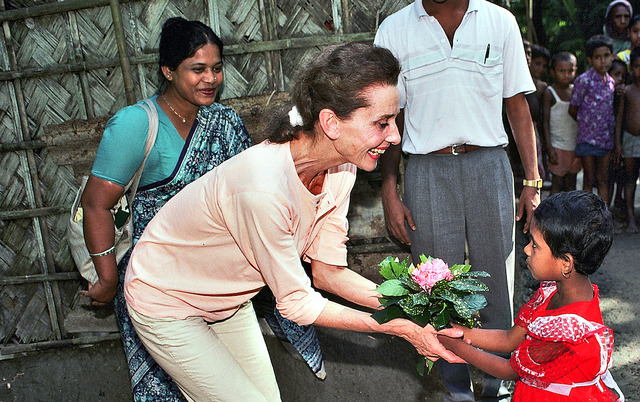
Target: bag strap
[(152, 113)]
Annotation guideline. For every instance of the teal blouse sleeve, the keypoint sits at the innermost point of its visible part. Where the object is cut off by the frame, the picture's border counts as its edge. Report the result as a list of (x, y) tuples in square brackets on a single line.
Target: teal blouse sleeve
[(121, 148)]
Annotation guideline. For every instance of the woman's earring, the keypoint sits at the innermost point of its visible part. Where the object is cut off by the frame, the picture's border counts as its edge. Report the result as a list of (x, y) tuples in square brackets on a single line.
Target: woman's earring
[(566, 274)]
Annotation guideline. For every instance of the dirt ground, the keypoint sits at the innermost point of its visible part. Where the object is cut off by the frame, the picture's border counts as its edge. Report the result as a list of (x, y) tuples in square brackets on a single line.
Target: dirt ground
[(360, 367)]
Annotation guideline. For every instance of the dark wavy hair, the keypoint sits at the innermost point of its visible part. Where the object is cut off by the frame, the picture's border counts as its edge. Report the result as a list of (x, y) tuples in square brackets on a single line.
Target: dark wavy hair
[(597, 41), (335, 80), (181, 39), (577, 223)]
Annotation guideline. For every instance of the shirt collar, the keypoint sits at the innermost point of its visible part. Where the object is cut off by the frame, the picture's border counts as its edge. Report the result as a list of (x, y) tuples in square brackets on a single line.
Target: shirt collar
[(418, 8)]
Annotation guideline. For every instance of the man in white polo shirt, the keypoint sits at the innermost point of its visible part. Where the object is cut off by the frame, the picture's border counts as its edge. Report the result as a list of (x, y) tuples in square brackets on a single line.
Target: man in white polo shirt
[(460, 60)]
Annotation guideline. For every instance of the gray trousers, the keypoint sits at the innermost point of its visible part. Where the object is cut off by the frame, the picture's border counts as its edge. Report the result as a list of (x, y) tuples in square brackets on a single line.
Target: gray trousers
[(459, 200)]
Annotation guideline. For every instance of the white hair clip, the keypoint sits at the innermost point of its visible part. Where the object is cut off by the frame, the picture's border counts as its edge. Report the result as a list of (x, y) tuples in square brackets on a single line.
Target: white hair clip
[(294, 117)]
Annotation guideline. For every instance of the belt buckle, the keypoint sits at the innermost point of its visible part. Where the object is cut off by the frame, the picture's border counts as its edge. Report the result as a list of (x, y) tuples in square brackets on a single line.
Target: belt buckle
[(453, 149)]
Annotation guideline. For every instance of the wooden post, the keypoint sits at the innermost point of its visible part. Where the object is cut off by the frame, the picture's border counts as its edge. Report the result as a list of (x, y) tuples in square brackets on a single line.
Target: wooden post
[(122, 52), (78, 56), (268, 57)]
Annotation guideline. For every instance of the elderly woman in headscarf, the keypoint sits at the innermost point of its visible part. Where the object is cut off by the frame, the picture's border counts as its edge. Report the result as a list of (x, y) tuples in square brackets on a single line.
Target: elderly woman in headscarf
[(616, 21)]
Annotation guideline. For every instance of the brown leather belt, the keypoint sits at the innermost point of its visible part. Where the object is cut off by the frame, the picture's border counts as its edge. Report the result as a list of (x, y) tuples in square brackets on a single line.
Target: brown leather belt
[(457, 149)]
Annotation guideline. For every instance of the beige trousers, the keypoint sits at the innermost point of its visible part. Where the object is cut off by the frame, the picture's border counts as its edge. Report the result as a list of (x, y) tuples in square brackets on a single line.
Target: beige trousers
[(223, 361)]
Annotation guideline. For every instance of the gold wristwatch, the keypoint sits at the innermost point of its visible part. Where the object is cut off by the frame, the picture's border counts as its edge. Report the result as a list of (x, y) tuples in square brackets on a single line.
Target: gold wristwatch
[(537, 183)]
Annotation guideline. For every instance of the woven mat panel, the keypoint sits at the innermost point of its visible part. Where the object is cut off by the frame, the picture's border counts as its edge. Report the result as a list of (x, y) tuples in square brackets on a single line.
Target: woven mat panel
[(366, 15)]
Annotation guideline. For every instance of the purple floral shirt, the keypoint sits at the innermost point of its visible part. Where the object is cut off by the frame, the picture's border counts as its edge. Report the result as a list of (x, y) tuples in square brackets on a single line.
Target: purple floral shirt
[(594, 98)]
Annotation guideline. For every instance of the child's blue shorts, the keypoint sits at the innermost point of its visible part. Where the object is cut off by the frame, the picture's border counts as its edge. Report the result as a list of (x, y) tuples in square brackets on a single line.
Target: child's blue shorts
[(585, 149)]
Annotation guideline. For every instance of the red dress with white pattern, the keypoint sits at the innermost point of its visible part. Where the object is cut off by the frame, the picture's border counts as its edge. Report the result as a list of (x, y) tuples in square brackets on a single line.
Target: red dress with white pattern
[(566, 353)]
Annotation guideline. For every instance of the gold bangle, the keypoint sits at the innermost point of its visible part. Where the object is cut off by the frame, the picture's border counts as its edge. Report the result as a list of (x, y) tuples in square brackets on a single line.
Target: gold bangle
[(106, 252)]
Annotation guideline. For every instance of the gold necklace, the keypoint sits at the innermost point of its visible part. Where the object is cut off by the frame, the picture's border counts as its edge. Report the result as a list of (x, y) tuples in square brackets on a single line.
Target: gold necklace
[(172, 109)]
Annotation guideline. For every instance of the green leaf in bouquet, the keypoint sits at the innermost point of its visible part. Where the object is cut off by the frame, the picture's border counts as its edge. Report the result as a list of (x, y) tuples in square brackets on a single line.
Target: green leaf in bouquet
[(390, 268), (462, 309), (422, 319), (459, 269), (448, 295), (469, 285), (421, 298), (388, 314), (441, 320), (389, 301), (424, 364), (409, 283), (475, 301), (410, 307), (392, 287), (475, 274)]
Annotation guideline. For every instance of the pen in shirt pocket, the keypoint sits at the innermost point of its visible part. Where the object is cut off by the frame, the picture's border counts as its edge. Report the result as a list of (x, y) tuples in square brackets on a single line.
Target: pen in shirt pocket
[(486, 54)]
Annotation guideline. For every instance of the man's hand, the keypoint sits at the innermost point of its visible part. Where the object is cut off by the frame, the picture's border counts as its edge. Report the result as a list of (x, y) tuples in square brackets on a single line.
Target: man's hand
[(395, 214), (529, 201)]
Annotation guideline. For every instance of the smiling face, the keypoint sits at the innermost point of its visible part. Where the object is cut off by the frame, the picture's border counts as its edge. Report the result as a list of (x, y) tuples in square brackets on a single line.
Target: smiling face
[(564, 72), (369, 131), (197, 79), (542, 264), (601, 60)]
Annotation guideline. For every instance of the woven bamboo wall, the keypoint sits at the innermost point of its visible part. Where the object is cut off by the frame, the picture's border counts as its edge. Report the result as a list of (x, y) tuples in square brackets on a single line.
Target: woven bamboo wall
[(60, 62)]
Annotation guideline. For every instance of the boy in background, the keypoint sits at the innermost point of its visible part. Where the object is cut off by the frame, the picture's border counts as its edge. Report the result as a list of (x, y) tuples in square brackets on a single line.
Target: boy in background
[(559, 129), (540, 57), (628, 137), (617, 177), (591, 106)]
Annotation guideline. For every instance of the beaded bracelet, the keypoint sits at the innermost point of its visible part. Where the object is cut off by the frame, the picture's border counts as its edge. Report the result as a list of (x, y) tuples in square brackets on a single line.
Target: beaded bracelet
[(106, 252)]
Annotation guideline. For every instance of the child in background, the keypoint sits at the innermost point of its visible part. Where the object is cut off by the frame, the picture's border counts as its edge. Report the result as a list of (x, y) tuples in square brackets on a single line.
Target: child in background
[(634, 36), (618, 71), (562, 349), (591, 106), (538, 68), (559, 128), (628, 137)]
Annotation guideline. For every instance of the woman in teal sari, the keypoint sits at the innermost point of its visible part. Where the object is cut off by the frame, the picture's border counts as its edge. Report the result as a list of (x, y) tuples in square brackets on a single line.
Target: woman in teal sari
[(195, 134)]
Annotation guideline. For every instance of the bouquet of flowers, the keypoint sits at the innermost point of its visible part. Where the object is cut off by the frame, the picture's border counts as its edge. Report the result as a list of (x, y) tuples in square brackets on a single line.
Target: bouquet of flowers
[(430, 293)]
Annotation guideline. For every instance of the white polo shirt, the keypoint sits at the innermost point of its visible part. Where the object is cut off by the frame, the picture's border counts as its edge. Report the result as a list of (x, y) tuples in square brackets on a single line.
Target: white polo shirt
[(453, 95)]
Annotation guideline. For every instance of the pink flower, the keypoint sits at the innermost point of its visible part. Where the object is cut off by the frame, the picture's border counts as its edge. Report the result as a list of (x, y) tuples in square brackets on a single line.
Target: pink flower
[(428, 273)]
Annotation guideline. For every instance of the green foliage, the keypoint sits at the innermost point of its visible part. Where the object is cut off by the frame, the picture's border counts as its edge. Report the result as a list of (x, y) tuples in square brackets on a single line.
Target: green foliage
[(392, 287), (391, 268), (563, 25)]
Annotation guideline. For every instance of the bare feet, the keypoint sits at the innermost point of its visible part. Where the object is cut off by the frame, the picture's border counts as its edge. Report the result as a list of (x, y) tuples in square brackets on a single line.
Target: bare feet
[(632, 228)]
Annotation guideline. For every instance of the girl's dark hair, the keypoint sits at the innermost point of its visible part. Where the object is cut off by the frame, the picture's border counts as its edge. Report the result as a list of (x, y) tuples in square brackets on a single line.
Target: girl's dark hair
[(577, 223), (181, 39), (634, 20), (335, 80)]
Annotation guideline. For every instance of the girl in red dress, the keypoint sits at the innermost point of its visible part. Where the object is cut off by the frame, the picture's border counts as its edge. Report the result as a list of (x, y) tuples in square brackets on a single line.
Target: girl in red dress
[(561, 349)]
